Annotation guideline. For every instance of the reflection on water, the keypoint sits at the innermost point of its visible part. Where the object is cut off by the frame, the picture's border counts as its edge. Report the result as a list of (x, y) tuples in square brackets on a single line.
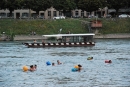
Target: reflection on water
[(95, 73)]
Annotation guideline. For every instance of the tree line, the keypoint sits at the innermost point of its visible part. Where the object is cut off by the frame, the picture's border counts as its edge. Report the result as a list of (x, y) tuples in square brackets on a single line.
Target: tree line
[(64, 5)]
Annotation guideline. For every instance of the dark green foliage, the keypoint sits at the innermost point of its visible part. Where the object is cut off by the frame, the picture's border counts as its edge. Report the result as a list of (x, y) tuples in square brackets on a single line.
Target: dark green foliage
[(91, 5), (64, 5), (41, 5), (12, 5), (41, 26), (117, 4)]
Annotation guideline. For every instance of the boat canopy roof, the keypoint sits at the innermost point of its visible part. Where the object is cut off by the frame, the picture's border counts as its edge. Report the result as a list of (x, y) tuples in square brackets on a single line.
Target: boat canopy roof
[(59, 35)]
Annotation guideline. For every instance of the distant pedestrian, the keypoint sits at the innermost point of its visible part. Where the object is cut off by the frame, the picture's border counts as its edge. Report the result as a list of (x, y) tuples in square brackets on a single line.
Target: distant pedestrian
[(34, 33)]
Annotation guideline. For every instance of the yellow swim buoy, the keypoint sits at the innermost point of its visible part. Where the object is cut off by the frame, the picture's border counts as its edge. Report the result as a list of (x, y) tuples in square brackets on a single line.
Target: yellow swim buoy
[(76, 66), (89, 58), (25, 68)]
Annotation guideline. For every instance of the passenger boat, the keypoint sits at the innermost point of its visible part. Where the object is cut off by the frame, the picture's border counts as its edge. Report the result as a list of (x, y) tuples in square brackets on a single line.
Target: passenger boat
[(65, 40)]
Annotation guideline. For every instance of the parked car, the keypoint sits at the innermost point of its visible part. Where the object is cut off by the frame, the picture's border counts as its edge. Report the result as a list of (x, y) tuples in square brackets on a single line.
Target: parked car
[(41, 17), (23, 17), (90, 16), (59, 17), (76, 16), (128, 15), (108, 16), (123, 16)]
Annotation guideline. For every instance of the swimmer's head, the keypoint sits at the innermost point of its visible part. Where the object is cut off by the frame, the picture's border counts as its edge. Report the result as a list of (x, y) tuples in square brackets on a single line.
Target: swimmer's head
[(79, 65)]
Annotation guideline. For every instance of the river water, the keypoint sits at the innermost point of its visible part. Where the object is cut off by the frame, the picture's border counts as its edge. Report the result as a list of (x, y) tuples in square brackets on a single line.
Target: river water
[(95, 73)]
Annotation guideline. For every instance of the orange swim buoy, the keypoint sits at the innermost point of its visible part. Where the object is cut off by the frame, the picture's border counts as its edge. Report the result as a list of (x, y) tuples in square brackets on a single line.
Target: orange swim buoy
[(108, 61), (76, 66), (25, 68)]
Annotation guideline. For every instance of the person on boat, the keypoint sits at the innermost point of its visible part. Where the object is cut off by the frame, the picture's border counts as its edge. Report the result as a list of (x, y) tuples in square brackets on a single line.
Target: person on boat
[(43, 41), (68, 32), (35, 41), (58, 62)]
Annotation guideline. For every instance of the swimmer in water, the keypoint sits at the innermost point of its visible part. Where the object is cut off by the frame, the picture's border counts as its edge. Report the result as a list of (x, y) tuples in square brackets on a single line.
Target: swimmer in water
[(80, 67), (58, 62), (31, 68), (35, 67), (53, 64)]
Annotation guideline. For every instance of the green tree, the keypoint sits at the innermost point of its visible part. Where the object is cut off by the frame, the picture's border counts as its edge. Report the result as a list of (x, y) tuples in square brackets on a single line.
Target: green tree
[(12, 4), (128, 3), (91, 5), (37, 5), (64, 5), (27, 4), (116, 4), (40, 5), (2, 4)]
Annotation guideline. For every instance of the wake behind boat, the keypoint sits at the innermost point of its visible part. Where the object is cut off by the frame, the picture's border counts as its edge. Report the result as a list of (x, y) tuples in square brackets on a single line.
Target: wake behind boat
[(65, 40)]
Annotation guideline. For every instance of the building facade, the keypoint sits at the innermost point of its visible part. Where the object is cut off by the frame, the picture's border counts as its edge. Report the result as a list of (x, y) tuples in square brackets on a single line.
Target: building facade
[(48, 14)]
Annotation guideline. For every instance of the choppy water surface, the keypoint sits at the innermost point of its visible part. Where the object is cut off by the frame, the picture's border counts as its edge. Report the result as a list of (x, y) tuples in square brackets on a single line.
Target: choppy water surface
[(95, 73)]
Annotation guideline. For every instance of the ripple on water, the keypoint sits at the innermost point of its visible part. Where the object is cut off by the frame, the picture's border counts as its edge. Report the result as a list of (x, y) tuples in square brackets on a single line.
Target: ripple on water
[(95, 73)]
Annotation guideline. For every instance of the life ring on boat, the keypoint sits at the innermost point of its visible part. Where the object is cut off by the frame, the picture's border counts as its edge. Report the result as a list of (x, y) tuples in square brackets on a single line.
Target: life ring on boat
[(25, 68), (48, 63), (89, 58), (108, 61)]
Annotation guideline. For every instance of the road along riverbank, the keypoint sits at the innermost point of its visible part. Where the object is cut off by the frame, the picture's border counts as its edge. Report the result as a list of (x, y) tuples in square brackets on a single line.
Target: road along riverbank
[(124, 35), (100, 36), (28, 37)]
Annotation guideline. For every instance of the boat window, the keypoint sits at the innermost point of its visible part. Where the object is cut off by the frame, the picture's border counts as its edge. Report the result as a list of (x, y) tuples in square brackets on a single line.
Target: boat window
[(72, 39)]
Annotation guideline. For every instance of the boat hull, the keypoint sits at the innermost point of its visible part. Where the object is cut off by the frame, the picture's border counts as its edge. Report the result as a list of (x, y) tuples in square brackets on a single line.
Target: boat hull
[(39, 45)]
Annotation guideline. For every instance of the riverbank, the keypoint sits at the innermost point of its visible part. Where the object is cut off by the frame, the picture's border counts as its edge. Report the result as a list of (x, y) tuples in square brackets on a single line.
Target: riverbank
[(112, 36), (39, 37), (80, 25)]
